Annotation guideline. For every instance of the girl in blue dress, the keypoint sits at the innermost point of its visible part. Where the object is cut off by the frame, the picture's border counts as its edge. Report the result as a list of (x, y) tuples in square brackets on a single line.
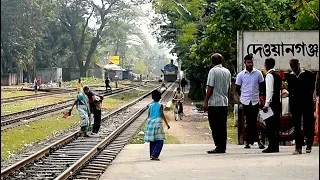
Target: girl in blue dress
[(154, 133)]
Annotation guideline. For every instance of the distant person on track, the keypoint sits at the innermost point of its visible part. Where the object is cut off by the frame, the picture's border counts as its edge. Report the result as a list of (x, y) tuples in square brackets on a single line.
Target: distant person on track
[(95, 103), (116, 78), (248, 85), (184, 82), (35, 85), (216, 102), (272, 103), (107, 83), (154, 133), (60, 81), (160, 80), (301, 86), (178, 97), (79, 86), (83, 107)]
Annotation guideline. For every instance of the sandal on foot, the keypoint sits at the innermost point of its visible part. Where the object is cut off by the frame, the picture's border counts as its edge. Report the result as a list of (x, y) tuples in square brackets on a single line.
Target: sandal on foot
[(308, 150), (154, 158), (297, 151)]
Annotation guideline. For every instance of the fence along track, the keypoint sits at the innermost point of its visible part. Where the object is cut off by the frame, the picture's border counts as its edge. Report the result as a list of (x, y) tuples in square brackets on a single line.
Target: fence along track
[(62, 154), (32, 113)]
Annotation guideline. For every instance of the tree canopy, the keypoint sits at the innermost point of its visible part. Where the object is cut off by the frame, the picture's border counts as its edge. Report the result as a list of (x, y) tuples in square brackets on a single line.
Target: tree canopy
[(73, 34)]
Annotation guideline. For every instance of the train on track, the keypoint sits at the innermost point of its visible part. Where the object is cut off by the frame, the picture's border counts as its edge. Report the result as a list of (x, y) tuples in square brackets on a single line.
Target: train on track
[(170, 72)]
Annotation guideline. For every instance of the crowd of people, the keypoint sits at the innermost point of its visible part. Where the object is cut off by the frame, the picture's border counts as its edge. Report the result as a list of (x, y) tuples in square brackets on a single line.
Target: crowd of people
[(250, 84)]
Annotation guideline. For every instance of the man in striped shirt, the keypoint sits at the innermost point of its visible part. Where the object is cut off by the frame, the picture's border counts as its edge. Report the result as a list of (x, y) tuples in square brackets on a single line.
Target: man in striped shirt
[(218, 86)]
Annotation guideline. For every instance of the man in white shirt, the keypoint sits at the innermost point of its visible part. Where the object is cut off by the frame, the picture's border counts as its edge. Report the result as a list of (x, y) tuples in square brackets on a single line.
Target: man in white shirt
[(248, 83), (272, 96)]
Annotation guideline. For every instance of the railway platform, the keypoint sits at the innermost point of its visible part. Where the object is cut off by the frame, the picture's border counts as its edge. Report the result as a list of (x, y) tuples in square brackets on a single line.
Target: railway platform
[(190, 161)]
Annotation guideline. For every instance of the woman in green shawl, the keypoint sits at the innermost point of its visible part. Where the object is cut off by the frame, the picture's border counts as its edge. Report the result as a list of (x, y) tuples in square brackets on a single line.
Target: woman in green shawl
[(82, 105)]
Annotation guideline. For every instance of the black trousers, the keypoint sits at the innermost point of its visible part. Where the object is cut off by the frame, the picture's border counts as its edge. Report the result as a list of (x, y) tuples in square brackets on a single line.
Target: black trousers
[(251, 114), (108, 87), (304, 110), (273, 127), (182, 88), (217, 116), (97, 120)]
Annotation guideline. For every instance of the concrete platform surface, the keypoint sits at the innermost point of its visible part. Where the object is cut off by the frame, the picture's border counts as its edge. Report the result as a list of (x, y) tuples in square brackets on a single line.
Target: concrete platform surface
[(188, 161)]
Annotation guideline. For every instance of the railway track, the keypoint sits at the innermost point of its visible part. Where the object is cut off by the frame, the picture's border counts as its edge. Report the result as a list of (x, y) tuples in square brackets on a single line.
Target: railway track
[(35, 112), (33, 96), (51, 92), (64, 159)]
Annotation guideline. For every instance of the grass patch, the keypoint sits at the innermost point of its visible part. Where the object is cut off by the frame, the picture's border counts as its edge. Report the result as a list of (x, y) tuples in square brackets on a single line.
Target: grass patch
[(9, 94), (30, 104), (171, 140), (86, 81), (16, 138), (232, 132)]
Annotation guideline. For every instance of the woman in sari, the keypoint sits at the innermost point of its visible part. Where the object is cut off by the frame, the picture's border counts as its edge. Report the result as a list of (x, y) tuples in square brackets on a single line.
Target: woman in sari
[(82, 105)]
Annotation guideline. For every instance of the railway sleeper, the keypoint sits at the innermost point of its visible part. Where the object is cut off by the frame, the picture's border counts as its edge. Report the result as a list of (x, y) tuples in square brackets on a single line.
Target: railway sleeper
[(93, 167), (86, 177), (91, 171), (95, 162), (103, 160), (94, 174)]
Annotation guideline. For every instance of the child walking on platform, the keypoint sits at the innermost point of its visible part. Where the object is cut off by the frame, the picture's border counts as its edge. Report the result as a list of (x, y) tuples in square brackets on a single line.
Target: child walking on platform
[(154, 133)]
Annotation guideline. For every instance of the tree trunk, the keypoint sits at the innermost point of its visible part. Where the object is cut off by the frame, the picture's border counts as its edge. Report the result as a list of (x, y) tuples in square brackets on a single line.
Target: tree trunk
[(93, 47), (83, 71)]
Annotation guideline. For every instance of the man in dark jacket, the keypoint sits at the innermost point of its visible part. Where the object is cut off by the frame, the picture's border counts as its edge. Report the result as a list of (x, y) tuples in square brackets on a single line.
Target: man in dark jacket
[(107, 83), (272, 101), (95, 103), (301, 84), (183, 84)]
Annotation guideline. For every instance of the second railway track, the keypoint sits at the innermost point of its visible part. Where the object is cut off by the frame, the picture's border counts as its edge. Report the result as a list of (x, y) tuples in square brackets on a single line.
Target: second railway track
[(35, 112), (65, 158)]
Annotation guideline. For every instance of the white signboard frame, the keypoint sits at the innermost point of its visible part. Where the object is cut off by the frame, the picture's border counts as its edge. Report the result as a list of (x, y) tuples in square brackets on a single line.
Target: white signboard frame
[(280, 45)]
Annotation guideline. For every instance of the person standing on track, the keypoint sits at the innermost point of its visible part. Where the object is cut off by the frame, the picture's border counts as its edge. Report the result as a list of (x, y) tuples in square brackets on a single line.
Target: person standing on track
[(301, 85), (248, 83), (95, 103), (178, 97), (79, 86), (154, 133), (216, 102), (83, 107), (35, 85), (272, 101), (107, 83), (183, 84)]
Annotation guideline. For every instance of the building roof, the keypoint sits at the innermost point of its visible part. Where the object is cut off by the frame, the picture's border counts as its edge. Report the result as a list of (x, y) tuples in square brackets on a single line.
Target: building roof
[(113, 67)]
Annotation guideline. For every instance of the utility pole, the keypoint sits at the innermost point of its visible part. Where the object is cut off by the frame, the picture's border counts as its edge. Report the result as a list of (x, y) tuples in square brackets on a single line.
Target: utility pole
[(34, 61)]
